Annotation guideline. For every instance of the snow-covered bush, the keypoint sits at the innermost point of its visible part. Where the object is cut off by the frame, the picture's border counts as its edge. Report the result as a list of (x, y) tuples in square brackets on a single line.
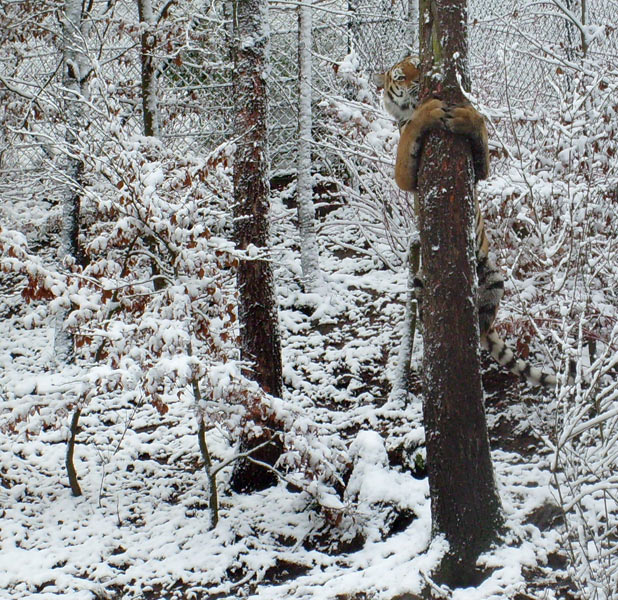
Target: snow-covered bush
[(152, 311), (357, 142), (153, 308), (551, 207)]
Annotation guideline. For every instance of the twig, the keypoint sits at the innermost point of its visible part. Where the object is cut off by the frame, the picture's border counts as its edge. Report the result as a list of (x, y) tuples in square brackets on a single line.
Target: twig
[(106, 460), (247, 454), (213, 502), (77, 491)]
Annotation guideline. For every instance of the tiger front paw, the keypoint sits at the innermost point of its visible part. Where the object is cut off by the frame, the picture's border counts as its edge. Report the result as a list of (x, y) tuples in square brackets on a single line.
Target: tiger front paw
[(431, 113), (466, 120), (463, 120)]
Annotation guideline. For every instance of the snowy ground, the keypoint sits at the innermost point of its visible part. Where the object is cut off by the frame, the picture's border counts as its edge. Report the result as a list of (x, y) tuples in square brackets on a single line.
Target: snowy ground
[(141, 528)]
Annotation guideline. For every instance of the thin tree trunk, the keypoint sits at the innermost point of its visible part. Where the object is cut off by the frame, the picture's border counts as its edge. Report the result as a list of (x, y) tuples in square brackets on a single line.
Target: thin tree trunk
[(74, 68), (309, 253), (257, 308), (401, 384), (149, 79), (71, 472), (73, 82), (150, 103), (213, 495), (412, 29), (465, 505), (353, 24)]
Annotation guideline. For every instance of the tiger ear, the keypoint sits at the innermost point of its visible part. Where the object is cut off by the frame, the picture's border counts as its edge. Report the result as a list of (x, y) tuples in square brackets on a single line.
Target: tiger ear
[(379, 80)]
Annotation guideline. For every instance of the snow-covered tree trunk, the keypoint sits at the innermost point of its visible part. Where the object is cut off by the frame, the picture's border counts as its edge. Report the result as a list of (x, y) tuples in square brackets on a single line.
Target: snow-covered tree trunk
[(353, 24), (148, 42), (309, 252), (150, 99), (401, 382), (74, 74), (465, 505), (257, 307), (412, 29), (74, 67)]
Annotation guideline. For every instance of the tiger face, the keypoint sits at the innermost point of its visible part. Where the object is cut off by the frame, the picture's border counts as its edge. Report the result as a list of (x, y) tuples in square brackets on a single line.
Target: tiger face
[(401, 88)]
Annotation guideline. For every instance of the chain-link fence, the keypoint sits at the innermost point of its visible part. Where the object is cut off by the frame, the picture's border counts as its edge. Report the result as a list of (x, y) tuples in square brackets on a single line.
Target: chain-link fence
[(515, 47)]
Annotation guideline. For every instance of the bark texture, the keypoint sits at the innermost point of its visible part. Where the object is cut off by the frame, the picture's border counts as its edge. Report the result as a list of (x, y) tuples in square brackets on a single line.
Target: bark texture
[(309, 253), (257, 307), (150, 103), (74, 74), (465, 505), (149, 77)]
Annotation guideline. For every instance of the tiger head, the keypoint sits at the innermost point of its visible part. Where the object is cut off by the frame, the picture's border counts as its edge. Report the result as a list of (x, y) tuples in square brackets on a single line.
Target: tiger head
[(401, 88)]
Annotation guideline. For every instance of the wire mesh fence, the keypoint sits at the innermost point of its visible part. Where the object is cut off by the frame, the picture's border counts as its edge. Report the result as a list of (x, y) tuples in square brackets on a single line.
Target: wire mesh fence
[(514, 48)]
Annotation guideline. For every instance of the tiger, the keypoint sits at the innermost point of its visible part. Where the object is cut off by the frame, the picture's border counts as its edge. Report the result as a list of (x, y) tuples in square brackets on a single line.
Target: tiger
[(401, 86)]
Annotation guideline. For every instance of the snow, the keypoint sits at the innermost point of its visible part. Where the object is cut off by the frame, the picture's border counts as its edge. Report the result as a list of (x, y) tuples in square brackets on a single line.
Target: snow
[(142, 523), (351, 517)]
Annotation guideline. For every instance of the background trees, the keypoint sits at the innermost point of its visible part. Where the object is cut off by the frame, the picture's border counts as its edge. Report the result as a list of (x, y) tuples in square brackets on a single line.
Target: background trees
[(153, 307)]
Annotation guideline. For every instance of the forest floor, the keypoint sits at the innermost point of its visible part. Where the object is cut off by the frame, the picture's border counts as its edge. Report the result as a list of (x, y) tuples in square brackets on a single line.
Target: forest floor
[(141, 529)]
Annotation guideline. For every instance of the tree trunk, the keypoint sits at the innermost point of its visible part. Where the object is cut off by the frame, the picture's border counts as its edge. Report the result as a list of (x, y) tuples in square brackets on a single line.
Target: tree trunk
[(74, 90), (412, 29), (465, 504), (353, 24), (149, 77), (70, 465), (309, 253), (400, 391), (257, 308), (74, 66), (150, 104)]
